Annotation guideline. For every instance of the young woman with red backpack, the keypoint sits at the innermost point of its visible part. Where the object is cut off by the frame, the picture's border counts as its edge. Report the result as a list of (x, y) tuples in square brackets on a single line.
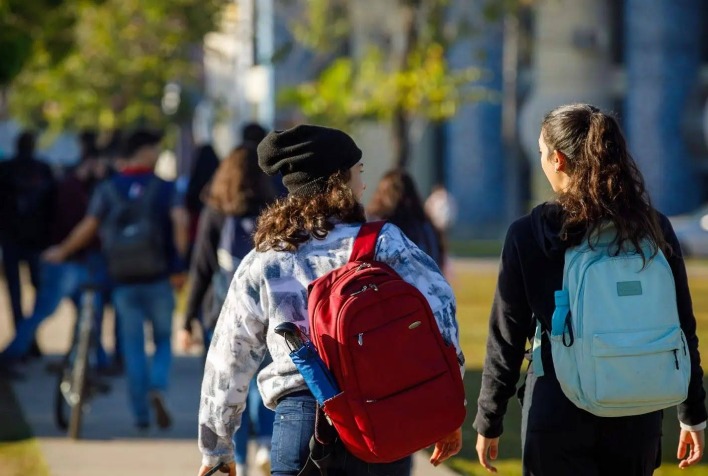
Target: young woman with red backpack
[(299, 239)]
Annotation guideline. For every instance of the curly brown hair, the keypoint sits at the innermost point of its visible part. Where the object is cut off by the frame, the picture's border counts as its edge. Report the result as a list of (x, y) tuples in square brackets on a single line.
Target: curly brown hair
[(239, 187), (605, 182), (294, 220)]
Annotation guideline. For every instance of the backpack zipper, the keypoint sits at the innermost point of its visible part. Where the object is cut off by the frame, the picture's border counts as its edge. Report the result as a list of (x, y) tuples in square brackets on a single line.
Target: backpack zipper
[(365, 288), (675, 351)]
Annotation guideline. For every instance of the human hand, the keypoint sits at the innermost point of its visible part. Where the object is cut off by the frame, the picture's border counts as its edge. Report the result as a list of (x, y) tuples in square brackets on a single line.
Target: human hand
[(225, 468), (177, 280), (54, 254), (184, 339), (691, 442), (487, 447), (448, 445)]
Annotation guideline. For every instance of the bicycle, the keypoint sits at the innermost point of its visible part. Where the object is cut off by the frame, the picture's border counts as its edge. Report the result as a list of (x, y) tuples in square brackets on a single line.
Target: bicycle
[(77, 383)]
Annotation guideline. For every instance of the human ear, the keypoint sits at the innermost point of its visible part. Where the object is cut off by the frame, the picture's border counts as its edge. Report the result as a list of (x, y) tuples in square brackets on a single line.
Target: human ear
[(559, 161)]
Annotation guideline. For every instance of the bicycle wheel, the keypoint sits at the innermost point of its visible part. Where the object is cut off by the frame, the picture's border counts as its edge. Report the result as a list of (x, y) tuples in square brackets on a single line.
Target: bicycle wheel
[(77, 391), (62, 407)]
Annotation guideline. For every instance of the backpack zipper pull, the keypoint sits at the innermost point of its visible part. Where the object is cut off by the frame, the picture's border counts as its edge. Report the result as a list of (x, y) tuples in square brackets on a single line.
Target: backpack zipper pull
[(360, 339), (366, 286), (676, 358), (363, 266)]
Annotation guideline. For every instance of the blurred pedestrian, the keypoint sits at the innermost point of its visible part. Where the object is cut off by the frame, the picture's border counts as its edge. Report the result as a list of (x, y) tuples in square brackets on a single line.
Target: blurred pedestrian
[(143, 230), (204, 164), (234, 199), (298, 239), (66, 279), (441, 207), (396, 199), (252, 134), (599, 189), (27, 193)]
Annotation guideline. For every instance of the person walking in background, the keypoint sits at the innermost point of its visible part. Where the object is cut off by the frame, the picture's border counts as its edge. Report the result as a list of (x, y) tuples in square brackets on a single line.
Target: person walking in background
[(65, 280), (252, 134), (27, 193), (598, 188), (143, 231), (396, 199), (441, 207), (204, 164), (298, 239), (234, 199)]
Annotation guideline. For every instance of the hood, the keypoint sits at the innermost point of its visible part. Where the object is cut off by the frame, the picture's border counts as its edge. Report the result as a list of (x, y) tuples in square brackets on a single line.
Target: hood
[(546, 222)]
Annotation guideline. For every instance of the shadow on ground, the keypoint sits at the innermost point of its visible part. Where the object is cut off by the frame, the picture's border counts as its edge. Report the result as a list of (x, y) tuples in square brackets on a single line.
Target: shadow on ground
[(108, 416)]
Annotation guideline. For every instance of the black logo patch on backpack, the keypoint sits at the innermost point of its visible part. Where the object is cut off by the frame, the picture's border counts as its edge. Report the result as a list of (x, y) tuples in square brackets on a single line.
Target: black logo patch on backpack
[(132, 236)]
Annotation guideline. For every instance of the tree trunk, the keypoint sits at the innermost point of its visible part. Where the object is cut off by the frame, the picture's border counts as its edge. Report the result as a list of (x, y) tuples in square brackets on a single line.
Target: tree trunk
[(401, 144), (3, 103), (401, 121)]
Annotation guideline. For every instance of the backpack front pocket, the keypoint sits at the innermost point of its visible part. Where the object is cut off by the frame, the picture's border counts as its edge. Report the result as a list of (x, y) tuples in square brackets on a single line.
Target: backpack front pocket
[(638, 367)]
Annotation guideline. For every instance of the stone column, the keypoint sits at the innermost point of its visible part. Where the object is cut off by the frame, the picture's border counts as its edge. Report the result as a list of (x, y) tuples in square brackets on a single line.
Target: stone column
[(571, 64), (475, 168), (662, 61)]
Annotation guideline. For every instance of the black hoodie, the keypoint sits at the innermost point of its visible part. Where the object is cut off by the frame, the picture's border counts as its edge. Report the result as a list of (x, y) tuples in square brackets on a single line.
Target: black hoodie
[(531, 269)]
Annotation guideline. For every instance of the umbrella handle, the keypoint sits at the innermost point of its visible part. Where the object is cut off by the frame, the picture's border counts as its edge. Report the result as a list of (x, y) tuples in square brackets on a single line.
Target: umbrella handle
[(291, 333)]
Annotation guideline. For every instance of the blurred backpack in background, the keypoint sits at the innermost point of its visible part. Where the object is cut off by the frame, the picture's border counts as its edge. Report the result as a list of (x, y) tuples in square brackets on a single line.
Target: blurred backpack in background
[(236, 241), (132, 235)]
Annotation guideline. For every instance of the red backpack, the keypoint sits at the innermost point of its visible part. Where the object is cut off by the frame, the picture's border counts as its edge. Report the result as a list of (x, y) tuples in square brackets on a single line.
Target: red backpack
[(400, 383)]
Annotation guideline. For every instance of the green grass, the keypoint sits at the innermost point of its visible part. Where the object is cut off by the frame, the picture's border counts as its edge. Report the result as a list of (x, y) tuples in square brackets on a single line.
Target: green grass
[(475, 290), (21, 458), (19, 451), (475, 248)]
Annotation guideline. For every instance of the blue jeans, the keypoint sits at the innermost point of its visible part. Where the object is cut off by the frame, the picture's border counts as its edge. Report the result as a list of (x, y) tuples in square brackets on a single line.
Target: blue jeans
[(294, 426), (59, 281), (135, 304), (255, 416)]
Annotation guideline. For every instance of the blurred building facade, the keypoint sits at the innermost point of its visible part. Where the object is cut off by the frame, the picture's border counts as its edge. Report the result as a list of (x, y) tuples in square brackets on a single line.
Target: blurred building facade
[(647, 60)]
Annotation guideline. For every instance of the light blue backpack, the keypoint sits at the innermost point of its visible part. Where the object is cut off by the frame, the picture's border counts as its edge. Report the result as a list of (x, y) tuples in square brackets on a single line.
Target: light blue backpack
[(617, 345)]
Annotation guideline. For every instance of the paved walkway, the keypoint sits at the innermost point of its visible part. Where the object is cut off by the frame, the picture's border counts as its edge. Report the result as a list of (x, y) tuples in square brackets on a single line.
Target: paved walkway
[(110, 446)]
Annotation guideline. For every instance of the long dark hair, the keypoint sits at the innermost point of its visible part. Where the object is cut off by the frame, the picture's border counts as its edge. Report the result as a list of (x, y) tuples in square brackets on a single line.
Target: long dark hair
[(294, 220), (396, 199), (605, 183), (239, 187)]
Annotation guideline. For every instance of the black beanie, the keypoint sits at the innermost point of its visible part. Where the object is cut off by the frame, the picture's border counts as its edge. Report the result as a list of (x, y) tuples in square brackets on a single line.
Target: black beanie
[(306, 156)]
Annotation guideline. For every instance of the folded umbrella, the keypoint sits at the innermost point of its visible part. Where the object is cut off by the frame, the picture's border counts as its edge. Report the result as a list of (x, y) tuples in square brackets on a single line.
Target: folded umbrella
[(304, 355)]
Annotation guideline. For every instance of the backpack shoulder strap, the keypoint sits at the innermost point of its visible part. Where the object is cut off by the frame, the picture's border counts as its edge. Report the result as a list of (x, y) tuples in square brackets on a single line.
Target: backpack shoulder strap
[(365, 243)]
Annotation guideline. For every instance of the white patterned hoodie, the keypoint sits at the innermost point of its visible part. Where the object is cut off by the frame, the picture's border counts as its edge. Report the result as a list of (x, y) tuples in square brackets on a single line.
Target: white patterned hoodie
[(271, 287)]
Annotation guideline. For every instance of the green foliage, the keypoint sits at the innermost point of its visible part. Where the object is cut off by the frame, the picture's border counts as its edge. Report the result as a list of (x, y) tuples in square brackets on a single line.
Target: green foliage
[(350, 90), (125, 52), (28, 26), (324, 25), (382, 83)]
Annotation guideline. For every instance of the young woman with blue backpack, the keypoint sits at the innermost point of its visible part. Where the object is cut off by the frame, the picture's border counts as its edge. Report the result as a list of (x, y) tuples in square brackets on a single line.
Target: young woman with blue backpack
[(595, 282)]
